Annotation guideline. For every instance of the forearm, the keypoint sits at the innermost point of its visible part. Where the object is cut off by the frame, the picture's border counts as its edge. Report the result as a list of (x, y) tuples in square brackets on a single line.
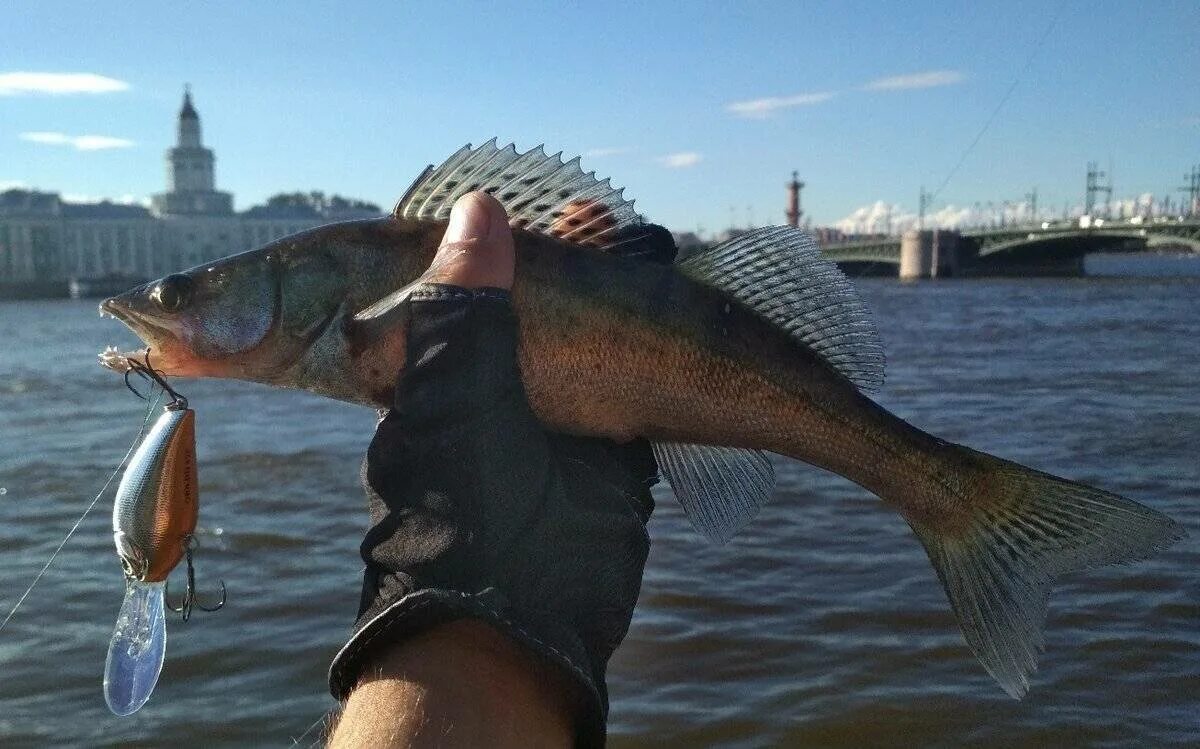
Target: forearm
[(462, 684), (503, 562)]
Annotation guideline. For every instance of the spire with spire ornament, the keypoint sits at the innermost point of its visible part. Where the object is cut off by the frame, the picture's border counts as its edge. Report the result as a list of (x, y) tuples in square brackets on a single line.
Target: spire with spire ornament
[(188, 110)]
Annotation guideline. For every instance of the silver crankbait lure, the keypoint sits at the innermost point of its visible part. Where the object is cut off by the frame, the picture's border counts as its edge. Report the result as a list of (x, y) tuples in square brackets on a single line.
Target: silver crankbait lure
[(154, 518)]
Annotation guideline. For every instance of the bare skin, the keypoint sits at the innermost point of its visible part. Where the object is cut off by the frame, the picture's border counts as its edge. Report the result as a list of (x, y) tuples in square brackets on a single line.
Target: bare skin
[(462, 684)]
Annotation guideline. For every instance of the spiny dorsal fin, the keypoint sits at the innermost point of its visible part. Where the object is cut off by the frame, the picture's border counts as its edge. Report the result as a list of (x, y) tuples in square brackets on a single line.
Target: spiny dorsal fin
[(540, 193), (779, 272)]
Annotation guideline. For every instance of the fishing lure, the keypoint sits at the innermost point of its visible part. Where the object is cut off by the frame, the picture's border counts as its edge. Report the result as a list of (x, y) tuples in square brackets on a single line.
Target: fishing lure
[(154, 520)]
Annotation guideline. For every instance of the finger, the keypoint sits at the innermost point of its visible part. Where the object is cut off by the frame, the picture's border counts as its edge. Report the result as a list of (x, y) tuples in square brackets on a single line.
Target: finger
[(477, 249), (584, 221)]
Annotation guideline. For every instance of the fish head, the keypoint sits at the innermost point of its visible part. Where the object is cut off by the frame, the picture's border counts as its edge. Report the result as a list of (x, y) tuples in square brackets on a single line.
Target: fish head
[(249, 316)]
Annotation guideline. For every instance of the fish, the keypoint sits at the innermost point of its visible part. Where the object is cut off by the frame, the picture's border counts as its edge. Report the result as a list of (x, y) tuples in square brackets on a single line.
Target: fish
[(754, 346)]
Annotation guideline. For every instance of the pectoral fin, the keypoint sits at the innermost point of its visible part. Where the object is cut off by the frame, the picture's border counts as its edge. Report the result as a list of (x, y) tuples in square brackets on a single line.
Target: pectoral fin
[(386, 306), (379, 320)]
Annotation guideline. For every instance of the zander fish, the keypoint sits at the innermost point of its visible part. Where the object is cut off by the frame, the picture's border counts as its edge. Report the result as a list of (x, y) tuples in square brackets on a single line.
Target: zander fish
[(756, 345)]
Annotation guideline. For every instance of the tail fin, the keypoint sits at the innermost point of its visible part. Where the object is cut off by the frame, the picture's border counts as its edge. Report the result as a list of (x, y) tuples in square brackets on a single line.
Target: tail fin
[(1021, 531)]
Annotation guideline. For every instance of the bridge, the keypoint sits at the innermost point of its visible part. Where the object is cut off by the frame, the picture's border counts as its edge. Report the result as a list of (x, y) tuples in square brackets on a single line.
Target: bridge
[(1056, 249)]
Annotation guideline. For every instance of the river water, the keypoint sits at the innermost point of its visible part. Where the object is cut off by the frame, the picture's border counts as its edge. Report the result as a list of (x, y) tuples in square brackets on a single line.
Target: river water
[(822, 625)]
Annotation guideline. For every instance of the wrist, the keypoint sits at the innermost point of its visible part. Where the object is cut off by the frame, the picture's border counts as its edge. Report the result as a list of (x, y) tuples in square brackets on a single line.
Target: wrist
[(463, 681)]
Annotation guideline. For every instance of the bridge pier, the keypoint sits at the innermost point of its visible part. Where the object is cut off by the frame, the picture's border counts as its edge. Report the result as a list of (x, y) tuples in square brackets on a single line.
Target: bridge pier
[(947, 256), (916, 255), (929, 254)]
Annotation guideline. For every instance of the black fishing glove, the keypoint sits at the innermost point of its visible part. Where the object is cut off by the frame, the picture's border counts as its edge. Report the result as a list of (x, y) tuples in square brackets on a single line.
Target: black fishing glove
[(476, 511)]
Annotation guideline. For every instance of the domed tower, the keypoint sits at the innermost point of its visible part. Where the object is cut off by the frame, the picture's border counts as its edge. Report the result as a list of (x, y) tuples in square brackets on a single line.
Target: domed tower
[(191, 185)]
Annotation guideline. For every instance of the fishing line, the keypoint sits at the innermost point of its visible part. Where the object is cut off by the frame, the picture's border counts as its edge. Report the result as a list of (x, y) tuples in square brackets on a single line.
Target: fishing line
[(1037, 47), (150, 405), (317, 722), (1003, 99)]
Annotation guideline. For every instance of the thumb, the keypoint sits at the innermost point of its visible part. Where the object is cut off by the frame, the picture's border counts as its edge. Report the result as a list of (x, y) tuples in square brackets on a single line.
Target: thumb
[(477, 249)]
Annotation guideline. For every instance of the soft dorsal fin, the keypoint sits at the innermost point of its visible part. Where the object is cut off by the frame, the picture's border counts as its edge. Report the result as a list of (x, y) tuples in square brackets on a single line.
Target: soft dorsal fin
[(540, 193), (780, 273)]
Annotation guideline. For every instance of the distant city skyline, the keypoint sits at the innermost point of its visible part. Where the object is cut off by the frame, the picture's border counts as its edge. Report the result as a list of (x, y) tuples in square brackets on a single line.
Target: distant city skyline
[(701, 116), (54, 247)]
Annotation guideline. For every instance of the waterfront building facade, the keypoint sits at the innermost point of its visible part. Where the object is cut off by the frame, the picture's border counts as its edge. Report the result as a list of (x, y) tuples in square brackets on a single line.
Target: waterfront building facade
[(30, 236), (47, 243)]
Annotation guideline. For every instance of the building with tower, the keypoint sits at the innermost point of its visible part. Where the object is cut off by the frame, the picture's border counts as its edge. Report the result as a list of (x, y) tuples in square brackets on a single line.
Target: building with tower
[(48, 245), (191, 184)]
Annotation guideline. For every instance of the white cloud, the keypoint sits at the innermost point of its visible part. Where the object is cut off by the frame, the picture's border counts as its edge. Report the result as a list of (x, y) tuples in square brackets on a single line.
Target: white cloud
[(762, 108), (19, 83), (891, 218), (881, 217), (680, 160), (126, 199), (99, 142), (12, 184), (53, 139), (1125, 207), (876, 218), (927, 79), (596, 153), (79, 142)]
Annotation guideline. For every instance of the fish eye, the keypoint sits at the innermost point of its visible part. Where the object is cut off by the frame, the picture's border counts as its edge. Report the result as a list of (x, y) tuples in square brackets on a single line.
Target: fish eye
[(171, 293)]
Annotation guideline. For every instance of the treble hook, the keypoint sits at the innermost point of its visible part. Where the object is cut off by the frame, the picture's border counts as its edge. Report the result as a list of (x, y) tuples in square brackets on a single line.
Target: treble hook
[(148, 372), (189, 594)]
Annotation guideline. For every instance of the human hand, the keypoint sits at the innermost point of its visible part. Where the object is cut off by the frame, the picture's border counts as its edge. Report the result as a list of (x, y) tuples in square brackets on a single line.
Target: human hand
[(476, 511), (477, 249)]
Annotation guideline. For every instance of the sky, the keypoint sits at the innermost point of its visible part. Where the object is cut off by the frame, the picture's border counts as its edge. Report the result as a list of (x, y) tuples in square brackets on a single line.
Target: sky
[(701, 110)]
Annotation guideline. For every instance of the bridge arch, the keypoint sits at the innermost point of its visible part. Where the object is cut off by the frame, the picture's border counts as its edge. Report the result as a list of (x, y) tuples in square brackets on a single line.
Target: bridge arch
[(1028, 250), (1083, 241)]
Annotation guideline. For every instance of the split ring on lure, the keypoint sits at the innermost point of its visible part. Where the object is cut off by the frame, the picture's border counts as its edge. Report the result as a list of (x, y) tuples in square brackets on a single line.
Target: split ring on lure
[(154, 518)]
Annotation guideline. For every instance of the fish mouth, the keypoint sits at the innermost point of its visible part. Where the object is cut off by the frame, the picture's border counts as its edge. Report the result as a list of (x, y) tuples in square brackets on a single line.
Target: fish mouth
[(117, 360)]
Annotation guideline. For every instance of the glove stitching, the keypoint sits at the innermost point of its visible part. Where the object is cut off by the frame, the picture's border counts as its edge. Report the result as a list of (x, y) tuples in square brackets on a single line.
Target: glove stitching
[(398, 608), (445, 293), (432, 292)]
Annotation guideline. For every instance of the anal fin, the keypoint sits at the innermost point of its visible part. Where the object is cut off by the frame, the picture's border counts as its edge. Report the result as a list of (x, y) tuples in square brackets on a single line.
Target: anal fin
[(721, 488)]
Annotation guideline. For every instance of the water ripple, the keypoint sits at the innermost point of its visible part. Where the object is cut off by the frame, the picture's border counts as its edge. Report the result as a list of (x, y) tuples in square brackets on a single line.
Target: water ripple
[(823, 625)]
